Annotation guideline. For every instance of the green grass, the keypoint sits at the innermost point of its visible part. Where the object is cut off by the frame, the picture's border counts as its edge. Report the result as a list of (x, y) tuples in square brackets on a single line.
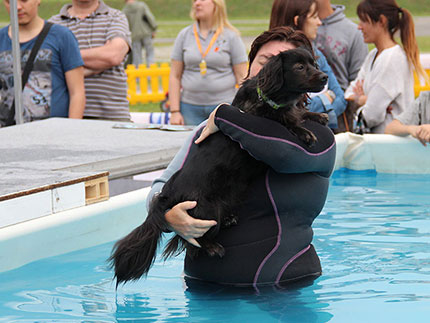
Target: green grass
[(424, 44), (179, 9), (147, 107)]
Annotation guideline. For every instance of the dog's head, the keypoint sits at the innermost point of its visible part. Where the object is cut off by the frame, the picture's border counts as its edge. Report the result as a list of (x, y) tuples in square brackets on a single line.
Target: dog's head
[(291, 71)]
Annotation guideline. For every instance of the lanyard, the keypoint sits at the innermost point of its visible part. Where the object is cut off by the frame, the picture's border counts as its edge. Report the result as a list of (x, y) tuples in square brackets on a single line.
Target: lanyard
[(199, 45)]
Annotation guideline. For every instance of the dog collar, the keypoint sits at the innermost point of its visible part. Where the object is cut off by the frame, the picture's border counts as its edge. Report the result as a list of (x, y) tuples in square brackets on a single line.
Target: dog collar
[(270, 102)]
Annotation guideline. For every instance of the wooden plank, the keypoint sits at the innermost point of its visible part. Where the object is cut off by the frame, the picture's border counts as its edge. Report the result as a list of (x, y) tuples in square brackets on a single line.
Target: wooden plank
[(49, 187), (96, 190)]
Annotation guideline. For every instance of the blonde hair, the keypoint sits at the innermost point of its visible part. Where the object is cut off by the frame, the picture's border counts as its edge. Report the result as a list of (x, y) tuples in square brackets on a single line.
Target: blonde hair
[(220, 16)]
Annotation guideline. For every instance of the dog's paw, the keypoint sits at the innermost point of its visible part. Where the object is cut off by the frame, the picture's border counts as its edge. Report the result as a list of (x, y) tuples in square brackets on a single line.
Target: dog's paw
[(321, 118), (306, 136)]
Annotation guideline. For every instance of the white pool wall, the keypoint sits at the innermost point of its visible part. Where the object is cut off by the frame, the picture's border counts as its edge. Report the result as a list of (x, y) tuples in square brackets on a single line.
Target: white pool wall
[(107, 221), (382, 153), (71, 230)]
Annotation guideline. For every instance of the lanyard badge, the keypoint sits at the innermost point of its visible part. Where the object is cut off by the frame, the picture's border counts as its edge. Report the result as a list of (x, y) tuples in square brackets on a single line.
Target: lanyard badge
[(203, 66)]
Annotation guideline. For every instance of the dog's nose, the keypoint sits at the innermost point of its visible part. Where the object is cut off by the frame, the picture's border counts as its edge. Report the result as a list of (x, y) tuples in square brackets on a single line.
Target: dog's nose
[(323, 77)]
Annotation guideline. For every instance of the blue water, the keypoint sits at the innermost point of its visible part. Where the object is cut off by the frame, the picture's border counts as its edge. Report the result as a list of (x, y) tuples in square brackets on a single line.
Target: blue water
[(373, 238)]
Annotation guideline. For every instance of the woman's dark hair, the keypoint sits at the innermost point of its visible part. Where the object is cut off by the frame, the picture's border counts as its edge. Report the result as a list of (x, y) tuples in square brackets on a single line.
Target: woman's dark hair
[(284, 11), (285, 34), (397, 19)]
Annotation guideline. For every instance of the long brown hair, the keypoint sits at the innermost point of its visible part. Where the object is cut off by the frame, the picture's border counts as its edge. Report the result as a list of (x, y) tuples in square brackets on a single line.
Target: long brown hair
[(286, 34), (397, 19), (284, 11)]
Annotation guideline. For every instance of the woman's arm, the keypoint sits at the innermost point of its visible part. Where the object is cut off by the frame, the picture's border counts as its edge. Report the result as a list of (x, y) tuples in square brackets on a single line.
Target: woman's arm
[(76, 88), (397, 128), (420, 132), (273, 143), (239, 71), (177, 217), (176, 70)]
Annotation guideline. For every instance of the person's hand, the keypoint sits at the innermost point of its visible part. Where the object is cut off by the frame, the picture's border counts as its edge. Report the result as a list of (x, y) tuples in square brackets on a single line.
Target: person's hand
[(186, 226), (209, 129), (422, 133), (153, 34), (359, 96), (177, 118)]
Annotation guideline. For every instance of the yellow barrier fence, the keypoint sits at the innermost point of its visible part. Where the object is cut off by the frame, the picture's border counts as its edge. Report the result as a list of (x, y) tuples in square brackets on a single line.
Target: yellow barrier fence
[(150, 84), (421, 86), (147, 84)]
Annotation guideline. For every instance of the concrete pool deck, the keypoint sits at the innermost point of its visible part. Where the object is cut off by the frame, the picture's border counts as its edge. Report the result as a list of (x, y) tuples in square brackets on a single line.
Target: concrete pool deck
[(44, 164)]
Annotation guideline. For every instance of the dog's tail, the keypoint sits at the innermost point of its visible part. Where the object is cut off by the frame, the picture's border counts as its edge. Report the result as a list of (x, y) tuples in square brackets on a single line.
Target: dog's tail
[(174, 247), (133, 256)]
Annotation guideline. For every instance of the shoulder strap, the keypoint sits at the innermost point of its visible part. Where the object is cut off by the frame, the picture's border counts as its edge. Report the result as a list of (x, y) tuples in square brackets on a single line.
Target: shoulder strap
[(29, 66)]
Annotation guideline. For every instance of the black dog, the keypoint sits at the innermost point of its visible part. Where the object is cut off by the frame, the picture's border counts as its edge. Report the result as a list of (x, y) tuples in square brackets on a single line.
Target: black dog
[(218, 172)]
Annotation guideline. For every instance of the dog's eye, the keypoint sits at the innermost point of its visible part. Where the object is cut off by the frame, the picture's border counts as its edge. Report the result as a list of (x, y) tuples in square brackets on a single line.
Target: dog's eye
[(299, 67)]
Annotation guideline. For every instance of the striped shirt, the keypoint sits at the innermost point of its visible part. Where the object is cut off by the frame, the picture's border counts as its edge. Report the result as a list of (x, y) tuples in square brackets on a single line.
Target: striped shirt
[(106, 93)]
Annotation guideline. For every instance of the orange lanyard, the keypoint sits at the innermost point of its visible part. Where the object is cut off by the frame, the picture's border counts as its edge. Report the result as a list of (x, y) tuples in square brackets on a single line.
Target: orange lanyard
[(199, 45)]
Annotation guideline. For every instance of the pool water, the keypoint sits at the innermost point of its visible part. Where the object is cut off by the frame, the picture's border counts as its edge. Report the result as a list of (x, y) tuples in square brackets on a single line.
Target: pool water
[(373, 238)]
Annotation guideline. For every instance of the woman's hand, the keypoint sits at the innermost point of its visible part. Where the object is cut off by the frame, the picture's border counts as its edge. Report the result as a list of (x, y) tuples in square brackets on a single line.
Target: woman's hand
[(176, 118), (422, 133), (186, 226), (359, 97), (209, 129)]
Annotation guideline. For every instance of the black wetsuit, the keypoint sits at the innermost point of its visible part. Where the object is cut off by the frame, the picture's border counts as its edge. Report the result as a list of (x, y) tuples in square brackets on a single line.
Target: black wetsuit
[(272, 241)]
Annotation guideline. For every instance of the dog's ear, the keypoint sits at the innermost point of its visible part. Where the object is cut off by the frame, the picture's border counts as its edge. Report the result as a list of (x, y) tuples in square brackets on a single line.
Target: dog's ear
[(271, 77)]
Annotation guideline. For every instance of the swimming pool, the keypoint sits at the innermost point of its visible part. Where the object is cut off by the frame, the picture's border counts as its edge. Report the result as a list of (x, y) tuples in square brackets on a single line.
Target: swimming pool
[(373, 238)]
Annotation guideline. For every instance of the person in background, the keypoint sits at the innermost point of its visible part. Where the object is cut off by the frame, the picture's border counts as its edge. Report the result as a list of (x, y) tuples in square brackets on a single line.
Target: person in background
[(303, 15), (414, 121), (55, 87), (340, 41), (271, 243), (384, 87), (208, 60), (142, 25), (104, 40)]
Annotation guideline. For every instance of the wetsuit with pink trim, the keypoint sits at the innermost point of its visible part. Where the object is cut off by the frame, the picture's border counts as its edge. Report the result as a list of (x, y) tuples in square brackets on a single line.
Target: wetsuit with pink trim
[(271, 243)]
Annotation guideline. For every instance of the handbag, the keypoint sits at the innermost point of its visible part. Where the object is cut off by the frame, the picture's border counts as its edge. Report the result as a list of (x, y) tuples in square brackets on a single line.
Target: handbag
[(28, 68)]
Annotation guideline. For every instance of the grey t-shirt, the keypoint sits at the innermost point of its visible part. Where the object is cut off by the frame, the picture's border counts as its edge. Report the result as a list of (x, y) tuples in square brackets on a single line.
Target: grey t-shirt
[(218, 84), (419, 113)]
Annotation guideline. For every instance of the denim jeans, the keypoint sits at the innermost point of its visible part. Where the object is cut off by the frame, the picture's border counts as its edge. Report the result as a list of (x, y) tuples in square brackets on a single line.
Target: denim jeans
[(195, 114)]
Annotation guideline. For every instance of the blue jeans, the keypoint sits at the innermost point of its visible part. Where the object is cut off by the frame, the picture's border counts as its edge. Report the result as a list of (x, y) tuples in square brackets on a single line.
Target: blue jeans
[(195, 114)]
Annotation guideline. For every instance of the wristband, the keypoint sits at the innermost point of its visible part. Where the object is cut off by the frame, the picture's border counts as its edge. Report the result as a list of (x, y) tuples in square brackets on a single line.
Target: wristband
[(175, 111)]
